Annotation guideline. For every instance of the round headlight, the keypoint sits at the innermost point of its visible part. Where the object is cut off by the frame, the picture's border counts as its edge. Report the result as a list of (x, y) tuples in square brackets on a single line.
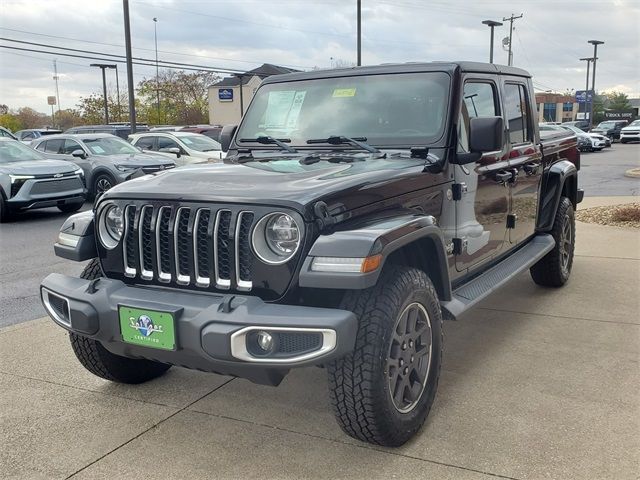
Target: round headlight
[(111, 226), (276, 238)]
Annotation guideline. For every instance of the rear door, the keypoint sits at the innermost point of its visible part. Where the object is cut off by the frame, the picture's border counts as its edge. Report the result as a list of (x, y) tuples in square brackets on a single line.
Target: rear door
[(525, 160), (481, 212)]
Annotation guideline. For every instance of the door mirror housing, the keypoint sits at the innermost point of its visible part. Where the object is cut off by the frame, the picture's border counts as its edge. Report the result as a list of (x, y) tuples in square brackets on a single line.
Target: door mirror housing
[(486, 134), (226, 135), (78, 153), (174, 150)]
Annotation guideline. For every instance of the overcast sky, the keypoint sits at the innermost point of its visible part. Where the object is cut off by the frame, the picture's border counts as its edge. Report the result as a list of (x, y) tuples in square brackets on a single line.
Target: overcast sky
[(242, 34)]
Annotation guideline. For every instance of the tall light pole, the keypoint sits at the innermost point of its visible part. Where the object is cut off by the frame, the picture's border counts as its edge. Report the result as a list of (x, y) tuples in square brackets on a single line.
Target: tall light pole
[(492, 24), (127, 43), (586, 88), (155, 35), (595, 44), (118, 93), (359, 32), (103, 67)]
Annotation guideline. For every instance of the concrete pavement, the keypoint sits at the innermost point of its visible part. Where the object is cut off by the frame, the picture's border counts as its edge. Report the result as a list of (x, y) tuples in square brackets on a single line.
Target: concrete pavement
[(536, 383)]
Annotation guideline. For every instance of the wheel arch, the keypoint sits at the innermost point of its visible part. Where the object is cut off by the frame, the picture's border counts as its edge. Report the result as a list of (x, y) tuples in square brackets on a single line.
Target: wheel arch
[(561, 180), (408, 239)]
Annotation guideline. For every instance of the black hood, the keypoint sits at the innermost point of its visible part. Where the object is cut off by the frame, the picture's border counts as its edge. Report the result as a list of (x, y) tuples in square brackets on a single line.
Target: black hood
[(284, 181)]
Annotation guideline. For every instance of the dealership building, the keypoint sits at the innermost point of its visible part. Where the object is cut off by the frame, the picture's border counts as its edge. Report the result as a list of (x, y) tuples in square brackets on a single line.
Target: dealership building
[(230, 96)]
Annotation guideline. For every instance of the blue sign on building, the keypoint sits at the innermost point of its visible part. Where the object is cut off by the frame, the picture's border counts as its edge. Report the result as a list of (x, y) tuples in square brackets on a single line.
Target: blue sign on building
[(581, 95), (225, 94)]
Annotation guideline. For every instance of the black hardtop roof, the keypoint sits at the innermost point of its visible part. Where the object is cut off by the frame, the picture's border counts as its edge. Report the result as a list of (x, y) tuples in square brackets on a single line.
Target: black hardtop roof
[(410, 67)]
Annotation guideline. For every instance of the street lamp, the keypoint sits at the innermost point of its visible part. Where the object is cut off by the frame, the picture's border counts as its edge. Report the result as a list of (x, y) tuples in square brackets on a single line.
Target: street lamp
[(595, 44), (103, 66), (492, 24), (155, 35), (586, 90)]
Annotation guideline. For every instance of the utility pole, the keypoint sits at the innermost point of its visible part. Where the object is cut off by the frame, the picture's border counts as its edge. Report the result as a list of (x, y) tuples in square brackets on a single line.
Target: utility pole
[(118, 93), (103, 67), (595, 44), (359, 32), (511, 19), (55, 77), (586, 88), (491, 24), (127, 39), (155, 35)]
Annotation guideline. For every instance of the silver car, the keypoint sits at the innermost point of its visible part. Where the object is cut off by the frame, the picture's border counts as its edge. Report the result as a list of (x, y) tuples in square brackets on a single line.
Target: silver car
[(105, 159), (29, 180)]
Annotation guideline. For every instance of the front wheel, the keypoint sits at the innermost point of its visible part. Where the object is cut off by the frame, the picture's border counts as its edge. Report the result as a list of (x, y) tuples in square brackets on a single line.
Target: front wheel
[(554, 268), (104, 364), (102, 183), (382, 391), (5, 216)]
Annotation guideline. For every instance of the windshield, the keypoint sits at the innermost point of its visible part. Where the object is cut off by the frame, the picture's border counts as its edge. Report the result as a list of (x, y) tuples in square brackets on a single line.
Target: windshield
[(398, 109), (14, 151), (573, 129), (635, 123), (109, 146), (607, 125), (200, 143)]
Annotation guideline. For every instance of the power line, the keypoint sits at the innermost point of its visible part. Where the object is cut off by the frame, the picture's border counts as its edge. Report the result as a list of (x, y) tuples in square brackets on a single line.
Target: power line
[(112, 55)]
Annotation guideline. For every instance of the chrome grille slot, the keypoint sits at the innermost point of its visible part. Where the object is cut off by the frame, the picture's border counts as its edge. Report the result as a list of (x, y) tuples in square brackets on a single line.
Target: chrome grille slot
[(129, 244), (145, 246), (163, 245), (221, 249), (202, 251), (182, 245), (243, 255), (199, 247)]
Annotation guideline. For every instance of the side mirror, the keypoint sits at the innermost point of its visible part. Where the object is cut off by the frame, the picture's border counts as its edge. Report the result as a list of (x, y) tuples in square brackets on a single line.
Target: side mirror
[(486, 134), (78, 153), (174, 150), (226, 135)]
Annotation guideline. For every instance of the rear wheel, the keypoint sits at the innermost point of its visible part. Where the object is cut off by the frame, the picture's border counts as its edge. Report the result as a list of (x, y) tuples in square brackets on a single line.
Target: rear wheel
[(554, 269), (382, 391), (4, 210), (99, 361)]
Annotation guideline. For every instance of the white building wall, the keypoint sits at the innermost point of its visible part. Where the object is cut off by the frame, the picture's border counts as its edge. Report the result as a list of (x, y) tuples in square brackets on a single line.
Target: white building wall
[(225, 112)]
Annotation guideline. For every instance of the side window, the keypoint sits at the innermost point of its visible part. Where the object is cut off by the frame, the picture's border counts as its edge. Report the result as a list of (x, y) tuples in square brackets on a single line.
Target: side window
[(145, 143), (479, 100), (70, 146), (41, 146), (166, 143), (27, 136), (517, 113), (53, 146)]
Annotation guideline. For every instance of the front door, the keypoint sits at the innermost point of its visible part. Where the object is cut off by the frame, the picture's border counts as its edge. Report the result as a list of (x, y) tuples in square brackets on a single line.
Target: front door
[(481, 212), (525, 161)]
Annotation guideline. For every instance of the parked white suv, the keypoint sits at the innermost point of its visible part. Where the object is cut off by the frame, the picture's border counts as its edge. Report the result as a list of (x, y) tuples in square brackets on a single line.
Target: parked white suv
[(184, 148), (630, 133)]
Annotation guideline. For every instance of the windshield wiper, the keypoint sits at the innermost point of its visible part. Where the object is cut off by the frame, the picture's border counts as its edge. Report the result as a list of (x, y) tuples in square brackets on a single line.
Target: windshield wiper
[(267, 140), (339, 140)]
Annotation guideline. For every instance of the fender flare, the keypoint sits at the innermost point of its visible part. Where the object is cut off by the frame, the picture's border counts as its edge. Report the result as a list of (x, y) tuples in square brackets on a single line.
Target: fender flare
[(76, 240), (383, 236), (556, 177)]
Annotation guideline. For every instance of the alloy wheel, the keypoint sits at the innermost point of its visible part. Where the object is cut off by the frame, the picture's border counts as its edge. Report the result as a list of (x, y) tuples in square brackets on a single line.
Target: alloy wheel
[(409, 357)]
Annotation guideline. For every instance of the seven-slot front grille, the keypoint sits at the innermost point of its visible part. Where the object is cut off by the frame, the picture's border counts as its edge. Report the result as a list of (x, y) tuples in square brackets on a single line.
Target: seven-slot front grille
[(188, 246)]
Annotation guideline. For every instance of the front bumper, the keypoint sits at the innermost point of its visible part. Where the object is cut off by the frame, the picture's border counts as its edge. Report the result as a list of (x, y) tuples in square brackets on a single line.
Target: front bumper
[(210, 329)]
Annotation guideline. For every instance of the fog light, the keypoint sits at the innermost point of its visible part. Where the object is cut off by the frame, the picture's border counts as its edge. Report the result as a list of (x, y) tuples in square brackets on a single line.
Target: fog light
[(265, 341)]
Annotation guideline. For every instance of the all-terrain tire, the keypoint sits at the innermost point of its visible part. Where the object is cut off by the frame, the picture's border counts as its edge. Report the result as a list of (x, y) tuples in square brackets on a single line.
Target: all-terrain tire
[(554, 269), (99, 361), (360, 383)]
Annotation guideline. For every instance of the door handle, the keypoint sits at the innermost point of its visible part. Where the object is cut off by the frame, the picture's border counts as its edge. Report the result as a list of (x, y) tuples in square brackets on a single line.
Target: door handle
[(531, 168), (503, 177)]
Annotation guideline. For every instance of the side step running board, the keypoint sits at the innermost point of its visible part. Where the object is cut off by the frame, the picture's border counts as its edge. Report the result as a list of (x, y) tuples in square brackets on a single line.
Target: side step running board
[(488, 282)]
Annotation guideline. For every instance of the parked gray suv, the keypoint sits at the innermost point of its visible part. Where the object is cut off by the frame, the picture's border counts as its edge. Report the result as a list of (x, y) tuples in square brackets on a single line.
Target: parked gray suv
[(105, 159), (28, 180)]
